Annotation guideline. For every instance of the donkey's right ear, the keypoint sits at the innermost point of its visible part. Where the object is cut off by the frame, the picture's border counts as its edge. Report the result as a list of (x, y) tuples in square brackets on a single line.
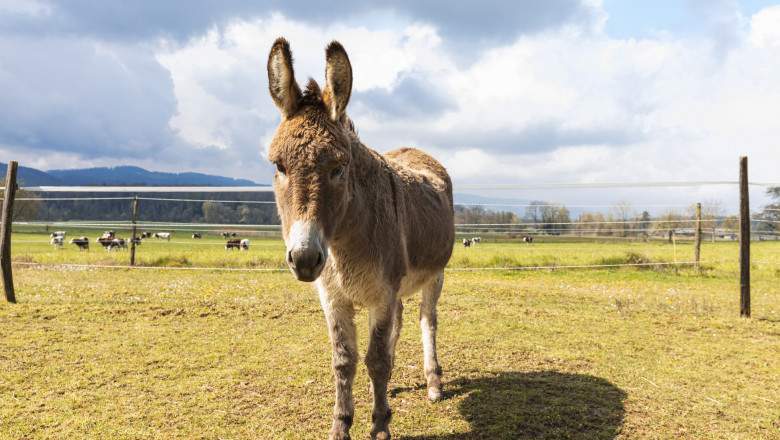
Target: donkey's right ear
[(281, 78)]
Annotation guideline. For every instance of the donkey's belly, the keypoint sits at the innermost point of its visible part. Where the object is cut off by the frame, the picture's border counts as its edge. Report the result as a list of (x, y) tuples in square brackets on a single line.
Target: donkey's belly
[(414, 280), (367, 286)]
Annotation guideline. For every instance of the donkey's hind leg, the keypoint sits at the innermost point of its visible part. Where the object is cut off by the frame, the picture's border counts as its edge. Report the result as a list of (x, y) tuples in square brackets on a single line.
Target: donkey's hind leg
[(430, 296)]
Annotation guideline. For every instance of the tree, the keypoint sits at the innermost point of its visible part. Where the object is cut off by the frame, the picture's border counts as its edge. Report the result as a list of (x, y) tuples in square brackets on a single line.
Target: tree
[(623, 213), (533, 212), (26, 210), (770, 214)]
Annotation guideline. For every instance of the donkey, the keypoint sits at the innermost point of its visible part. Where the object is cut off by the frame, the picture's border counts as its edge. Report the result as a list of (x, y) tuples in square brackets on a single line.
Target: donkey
[(368, 229)]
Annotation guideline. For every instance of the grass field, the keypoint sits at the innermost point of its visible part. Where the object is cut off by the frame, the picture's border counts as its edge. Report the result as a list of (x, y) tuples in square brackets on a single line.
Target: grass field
[(617, 353)]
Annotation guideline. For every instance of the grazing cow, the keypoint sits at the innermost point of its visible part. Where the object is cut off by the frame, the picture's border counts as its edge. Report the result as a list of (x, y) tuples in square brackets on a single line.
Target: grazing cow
[(370, 229), (108, 234), (57, 241), (225, 234), (245, 244), (117, 243), (105, 241), (57, 234), (233, 244), (196, 236), (476, 240), (466, 242), (528, 239), (162, 236), (81, 242), (146, 235)]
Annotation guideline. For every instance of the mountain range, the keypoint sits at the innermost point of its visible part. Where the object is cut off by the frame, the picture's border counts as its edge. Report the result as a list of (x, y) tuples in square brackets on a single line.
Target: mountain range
[(119, 176)]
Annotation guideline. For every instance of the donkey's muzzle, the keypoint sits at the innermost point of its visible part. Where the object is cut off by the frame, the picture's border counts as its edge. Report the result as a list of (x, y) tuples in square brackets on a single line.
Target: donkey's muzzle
[(306, 263)]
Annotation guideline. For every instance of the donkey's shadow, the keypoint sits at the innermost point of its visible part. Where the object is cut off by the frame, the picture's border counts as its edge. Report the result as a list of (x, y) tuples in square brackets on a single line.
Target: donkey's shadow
[(536, 405)]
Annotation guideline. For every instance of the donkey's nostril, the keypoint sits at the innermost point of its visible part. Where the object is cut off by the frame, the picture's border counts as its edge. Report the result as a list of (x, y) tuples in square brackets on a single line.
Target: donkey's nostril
[(289, 257), (319, 259)]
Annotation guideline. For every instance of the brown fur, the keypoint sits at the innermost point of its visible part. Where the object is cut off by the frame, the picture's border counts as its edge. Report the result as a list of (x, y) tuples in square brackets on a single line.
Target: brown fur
[(387, 222)]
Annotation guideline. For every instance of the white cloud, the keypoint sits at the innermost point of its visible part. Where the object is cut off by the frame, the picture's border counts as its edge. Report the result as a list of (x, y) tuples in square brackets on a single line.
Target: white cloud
[(765, 27), (570, 104)]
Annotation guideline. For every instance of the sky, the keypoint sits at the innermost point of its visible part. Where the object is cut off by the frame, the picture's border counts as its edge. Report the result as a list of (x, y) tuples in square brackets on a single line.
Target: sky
[(500, 91)]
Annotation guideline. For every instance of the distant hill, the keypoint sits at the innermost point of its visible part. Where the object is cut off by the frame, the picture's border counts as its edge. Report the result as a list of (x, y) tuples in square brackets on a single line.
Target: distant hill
[(29, 177), (120, 175)]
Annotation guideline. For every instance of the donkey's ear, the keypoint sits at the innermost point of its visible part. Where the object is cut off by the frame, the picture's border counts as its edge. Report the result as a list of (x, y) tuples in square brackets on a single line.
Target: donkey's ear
[(338, 80), (281, 78)]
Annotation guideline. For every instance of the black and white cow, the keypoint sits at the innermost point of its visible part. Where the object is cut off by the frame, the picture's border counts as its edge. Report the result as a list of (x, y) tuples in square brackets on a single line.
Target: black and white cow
[(81, 242), (162, 236), (466, 242), (117, 243), (197, 236), (57, 241), (233, 244)]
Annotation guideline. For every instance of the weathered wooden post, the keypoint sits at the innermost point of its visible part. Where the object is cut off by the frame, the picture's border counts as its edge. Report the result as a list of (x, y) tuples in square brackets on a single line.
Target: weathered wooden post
[(5, 231), (697, 239), (133, 235), (744, 239)]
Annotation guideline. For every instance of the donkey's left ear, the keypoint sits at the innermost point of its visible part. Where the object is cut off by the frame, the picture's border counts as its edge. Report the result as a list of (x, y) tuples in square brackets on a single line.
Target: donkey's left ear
[(338, 80)]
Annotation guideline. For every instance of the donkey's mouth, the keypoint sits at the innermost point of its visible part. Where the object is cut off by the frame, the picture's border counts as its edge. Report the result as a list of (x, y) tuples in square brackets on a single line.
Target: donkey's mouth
[(306, 266), (306, 254)]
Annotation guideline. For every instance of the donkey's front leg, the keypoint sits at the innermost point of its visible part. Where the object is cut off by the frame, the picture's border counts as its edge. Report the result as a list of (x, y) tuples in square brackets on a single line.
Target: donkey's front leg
[(379, 362), (341, 328)]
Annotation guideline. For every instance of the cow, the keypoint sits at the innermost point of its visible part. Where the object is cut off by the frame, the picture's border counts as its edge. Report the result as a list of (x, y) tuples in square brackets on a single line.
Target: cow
[(136, 240), (245, 244), (57, 234), (162, 236), (117, 243), (476, 240), (105, 241), (57, 241), (81, 242), (233, 244), (196, 236), (225, 234), (528, 239), (466, 242), (109, 234), (146, 235)]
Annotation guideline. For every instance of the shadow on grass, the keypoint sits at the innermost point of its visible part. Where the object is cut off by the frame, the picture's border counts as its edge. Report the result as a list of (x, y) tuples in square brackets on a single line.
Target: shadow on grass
[(536, 405)]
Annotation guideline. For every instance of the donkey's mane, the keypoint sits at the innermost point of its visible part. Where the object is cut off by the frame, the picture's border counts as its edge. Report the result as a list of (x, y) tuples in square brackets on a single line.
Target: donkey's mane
[(312, 95)]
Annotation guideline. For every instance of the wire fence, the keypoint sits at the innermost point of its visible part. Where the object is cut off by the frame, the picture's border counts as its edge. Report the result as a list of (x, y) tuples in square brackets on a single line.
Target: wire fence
[(630, 229)]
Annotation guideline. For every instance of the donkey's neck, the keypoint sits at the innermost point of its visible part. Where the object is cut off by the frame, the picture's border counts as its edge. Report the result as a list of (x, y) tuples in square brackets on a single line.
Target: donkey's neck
[(371, 206)]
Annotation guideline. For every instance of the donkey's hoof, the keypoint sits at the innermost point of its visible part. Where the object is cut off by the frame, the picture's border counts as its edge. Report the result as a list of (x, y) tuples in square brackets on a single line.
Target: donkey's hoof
[(381, 435), (340, 435), (434, 394)]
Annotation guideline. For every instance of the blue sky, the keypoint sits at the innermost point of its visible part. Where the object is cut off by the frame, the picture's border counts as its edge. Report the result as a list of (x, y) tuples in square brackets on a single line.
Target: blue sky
[(638, 19), (500, 91)]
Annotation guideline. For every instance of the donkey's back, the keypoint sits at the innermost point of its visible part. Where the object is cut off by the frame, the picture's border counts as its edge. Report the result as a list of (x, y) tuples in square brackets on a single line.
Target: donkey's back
[(425, 196)]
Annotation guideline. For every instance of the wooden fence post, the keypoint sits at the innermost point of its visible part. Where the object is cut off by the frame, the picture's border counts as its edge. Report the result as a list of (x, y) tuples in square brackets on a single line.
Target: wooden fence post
[(697, 239), (5, 231), (133, 236), (744, 239)]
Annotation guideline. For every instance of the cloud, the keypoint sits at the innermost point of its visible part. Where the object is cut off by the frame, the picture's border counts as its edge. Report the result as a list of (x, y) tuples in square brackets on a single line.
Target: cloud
[(81, 96), (412, 97), (495, 20), (556, 99)]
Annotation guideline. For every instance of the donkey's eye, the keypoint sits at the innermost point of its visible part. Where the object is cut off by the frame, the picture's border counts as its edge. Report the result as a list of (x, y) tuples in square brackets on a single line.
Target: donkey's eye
[(337, 172), (280, 168)]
